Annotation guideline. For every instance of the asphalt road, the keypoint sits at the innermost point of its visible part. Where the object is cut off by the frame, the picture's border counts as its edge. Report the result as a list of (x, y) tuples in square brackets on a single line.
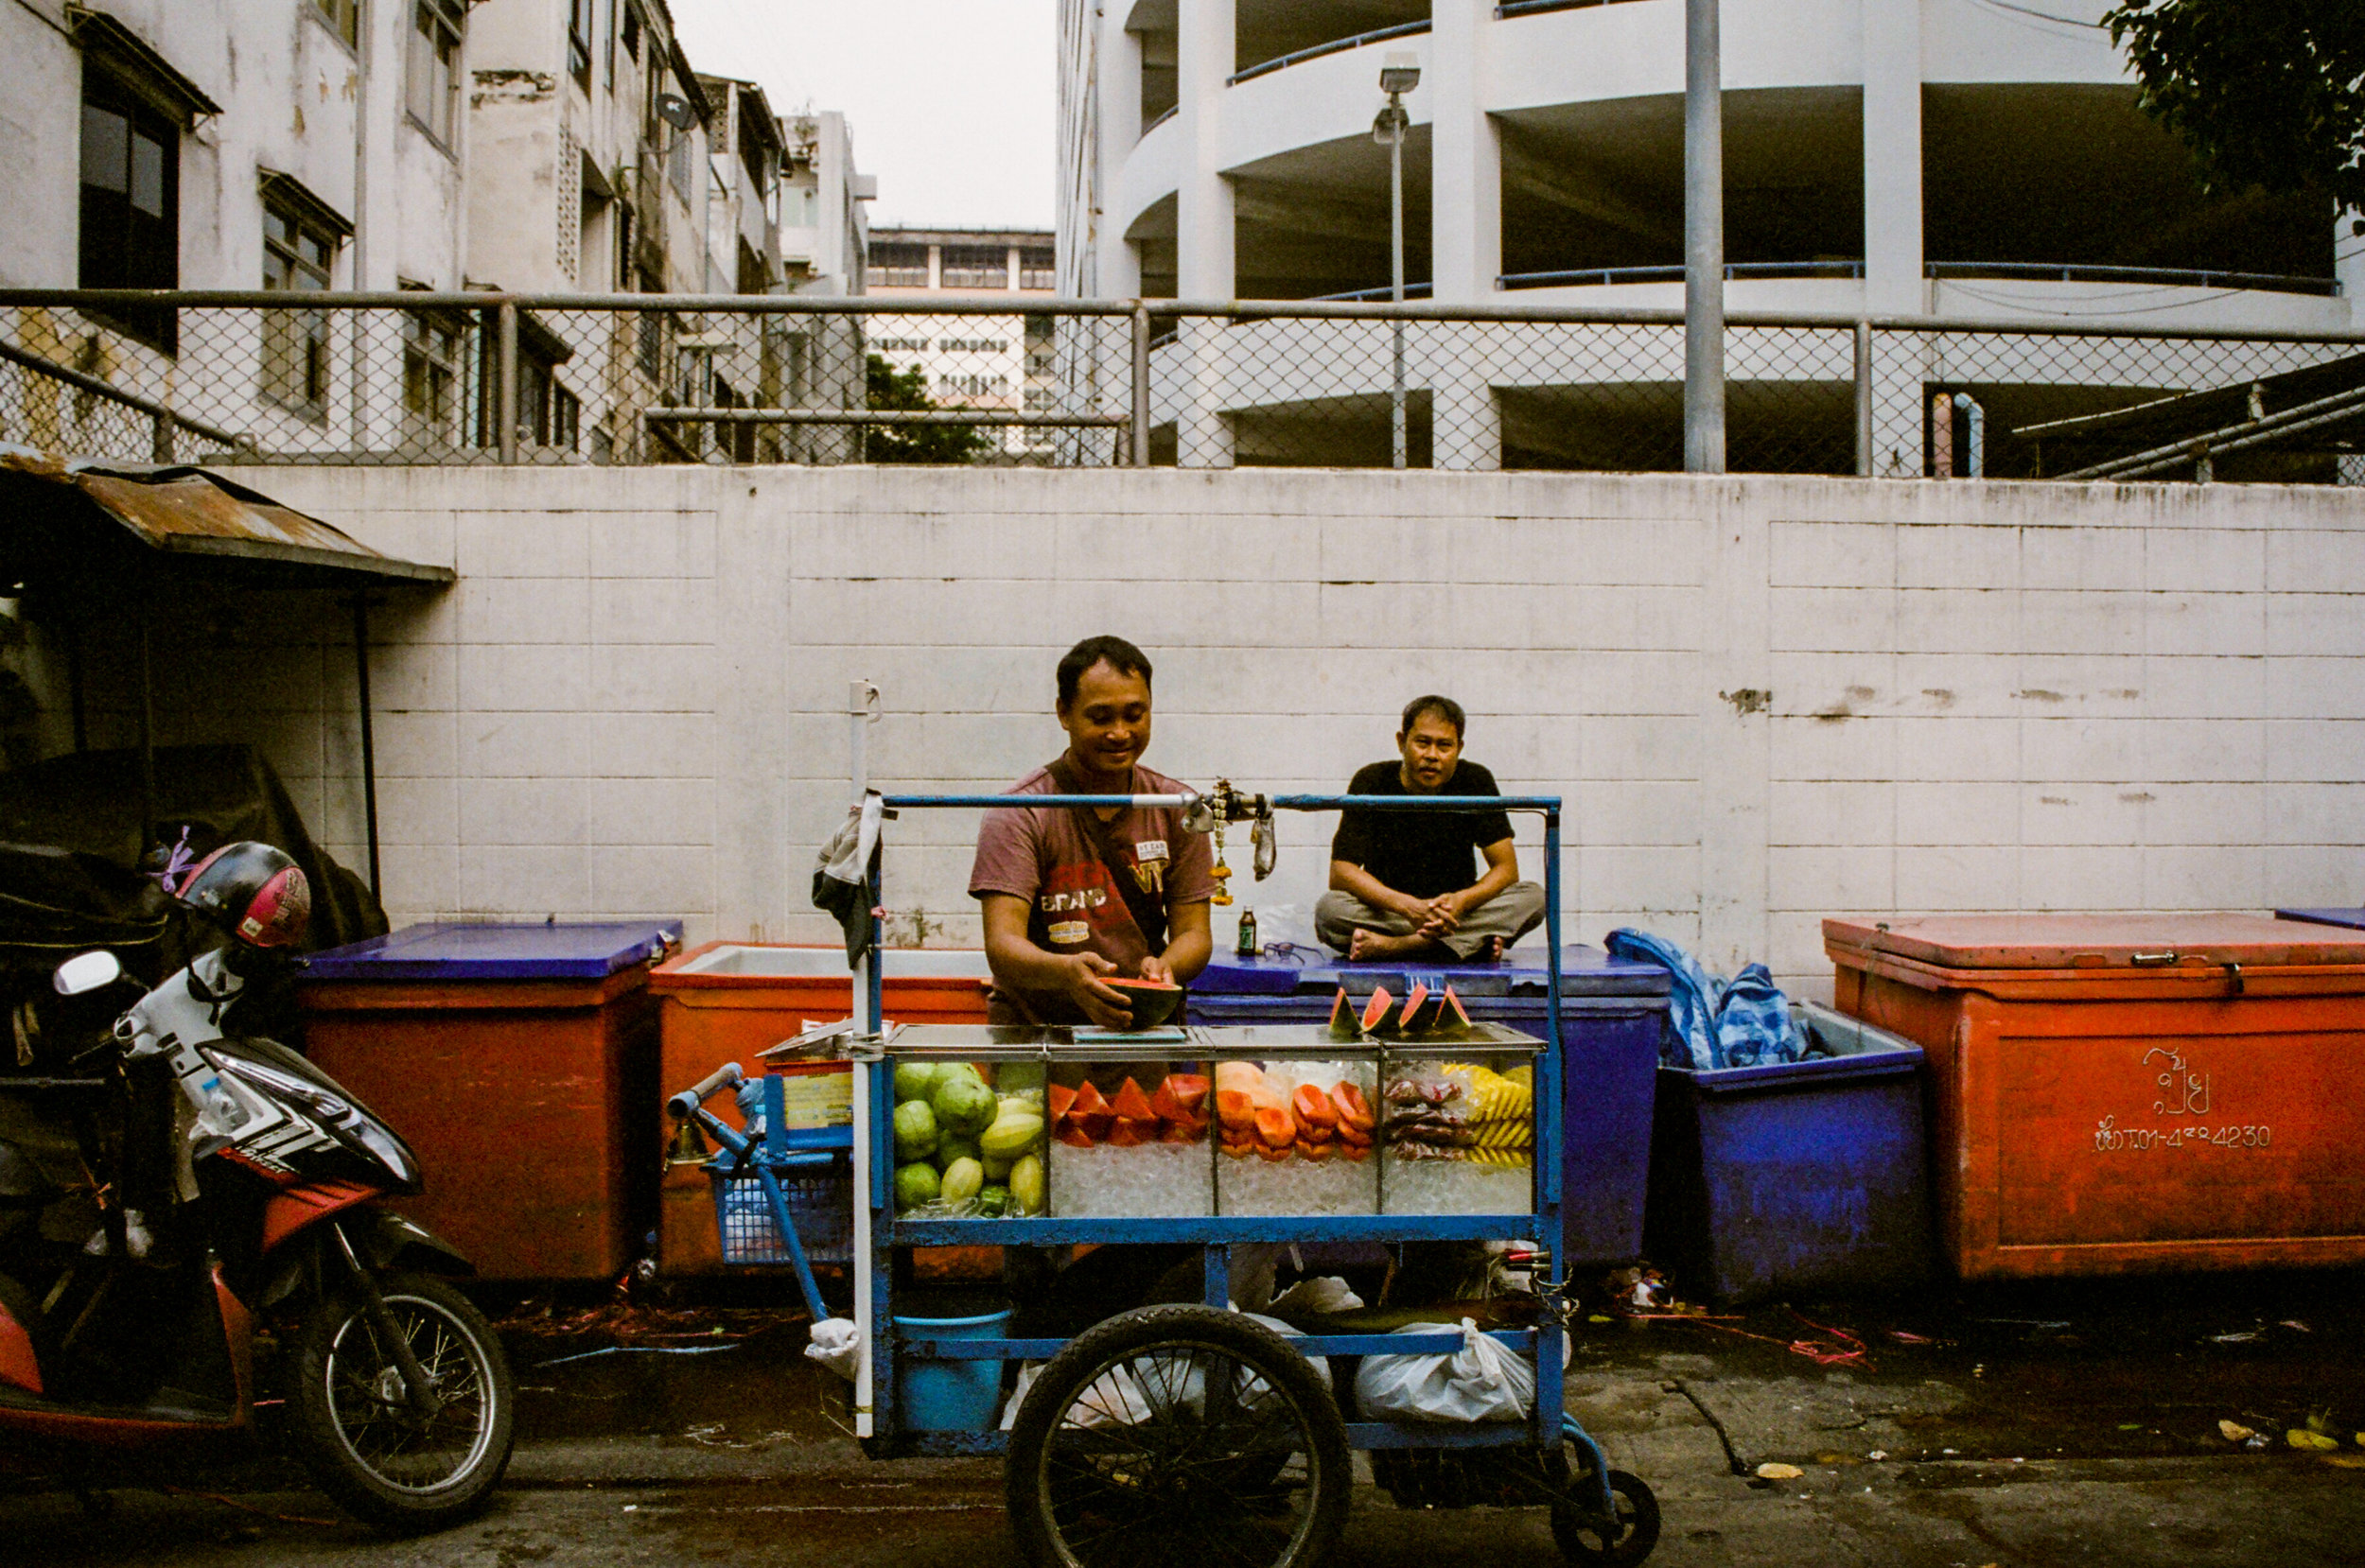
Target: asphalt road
[(2066, 1425)]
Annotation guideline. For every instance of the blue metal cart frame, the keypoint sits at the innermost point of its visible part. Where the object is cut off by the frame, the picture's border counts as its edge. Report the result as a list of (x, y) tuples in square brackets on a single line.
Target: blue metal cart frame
[(878, 1425)]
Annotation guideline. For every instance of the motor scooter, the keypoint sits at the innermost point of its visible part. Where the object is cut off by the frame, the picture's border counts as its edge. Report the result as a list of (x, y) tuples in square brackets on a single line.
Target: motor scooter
[(195, 1252)]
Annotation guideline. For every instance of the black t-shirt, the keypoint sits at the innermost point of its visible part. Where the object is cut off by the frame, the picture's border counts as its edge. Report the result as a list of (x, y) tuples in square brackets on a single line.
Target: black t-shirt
[(1421, 854)]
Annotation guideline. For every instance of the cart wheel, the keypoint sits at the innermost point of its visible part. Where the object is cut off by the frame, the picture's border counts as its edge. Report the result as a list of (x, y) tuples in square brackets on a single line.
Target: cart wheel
[(1177, 1435), (1585, 1541)]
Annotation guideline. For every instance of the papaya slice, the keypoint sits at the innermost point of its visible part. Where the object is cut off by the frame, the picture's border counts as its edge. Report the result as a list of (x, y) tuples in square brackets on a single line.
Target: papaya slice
[(1131, 1103), (1245, 1077), (1358, 1152), (1275, 1128), (1238, 1151), (1125, 1132), (1312, 1107), (1061, 1097), (1360, 1137), (1234, 1109), (1354, 1110), (1275, 1156)]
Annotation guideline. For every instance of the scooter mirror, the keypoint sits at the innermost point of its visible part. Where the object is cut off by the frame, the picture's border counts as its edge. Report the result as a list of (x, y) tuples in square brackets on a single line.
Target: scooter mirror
[(86, 972)]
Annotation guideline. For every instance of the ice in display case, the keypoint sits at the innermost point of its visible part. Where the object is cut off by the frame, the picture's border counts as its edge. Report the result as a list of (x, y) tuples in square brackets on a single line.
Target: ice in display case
[(1457, 1131)]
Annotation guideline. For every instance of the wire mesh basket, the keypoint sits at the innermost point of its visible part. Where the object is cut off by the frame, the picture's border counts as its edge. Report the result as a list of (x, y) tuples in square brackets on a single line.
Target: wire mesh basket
[(820, 1202)]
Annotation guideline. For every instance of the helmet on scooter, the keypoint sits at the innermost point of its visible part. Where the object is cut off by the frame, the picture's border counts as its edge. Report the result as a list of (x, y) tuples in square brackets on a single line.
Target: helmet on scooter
[(253, 892)]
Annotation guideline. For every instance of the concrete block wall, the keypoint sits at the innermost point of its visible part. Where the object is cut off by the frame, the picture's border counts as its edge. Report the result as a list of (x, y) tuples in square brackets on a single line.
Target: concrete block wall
[(1765, 700)]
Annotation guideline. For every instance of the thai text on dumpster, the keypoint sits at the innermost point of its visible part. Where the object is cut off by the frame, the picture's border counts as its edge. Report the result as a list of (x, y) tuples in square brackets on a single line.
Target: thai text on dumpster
[(2184, 1092)]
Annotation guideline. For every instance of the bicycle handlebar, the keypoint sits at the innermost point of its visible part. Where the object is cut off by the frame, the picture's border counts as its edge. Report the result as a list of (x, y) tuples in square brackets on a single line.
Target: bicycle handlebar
[(726, 1076)]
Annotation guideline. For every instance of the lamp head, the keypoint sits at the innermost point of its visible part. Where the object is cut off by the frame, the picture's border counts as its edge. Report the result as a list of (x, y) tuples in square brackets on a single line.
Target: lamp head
[(1399, 72)]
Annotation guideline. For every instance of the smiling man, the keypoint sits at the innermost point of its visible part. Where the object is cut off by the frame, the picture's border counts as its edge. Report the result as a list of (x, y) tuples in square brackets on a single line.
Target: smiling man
[(1433, 884), (1074, 896)]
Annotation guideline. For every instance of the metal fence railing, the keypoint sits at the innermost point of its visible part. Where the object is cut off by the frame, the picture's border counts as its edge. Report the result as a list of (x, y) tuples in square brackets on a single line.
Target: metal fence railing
[(418, 378)]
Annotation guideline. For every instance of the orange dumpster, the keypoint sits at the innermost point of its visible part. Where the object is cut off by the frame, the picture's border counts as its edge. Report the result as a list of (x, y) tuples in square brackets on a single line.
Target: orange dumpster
[(728, 1001), (2116, 1094)]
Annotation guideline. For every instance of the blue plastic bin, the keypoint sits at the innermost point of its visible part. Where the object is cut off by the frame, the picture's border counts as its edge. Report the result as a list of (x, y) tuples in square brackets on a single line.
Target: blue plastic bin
[(2353, 918), (949, 1396), (1804, 1176), (1610, 1015)]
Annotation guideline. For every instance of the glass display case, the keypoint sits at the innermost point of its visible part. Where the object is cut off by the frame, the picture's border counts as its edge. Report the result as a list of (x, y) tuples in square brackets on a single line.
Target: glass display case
[(1265, 1120)]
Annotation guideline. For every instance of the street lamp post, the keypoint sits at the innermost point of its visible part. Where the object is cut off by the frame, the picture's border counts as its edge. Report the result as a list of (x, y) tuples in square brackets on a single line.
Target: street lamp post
[(1398, 75)]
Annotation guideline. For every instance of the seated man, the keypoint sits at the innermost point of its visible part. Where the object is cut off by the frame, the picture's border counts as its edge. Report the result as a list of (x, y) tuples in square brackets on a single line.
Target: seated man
[(1404, 884)]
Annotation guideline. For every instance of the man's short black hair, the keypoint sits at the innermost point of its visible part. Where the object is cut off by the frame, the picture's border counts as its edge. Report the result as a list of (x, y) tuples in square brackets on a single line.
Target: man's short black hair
[(1444, 708), (1117, 653)]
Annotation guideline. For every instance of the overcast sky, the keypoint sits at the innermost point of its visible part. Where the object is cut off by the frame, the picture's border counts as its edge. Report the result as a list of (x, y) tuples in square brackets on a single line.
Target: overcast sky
[(951, 101)]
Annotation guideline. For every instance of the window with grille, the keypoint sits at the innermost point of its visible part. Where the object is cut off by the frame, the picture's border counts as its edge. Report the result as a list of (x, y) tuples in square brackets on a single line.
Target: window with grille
[(431, 377), (344, 18), (895, 266), (432, 67), (130, 201), (976, 266), (299, 250), (1037, 270)]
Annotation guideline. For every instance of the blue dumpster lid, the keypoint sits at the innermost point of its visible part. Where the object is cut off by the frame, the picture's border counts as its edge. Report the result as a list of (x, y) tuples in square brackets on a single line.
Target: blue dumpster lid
[(1300, 971), (2353, 918), (455, 951)]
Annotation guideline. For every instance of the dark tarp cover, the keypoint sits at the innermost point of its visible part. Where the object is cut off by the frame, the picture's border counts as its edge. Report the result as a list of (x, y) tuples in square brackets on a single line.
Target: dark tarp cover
[(70, 871)]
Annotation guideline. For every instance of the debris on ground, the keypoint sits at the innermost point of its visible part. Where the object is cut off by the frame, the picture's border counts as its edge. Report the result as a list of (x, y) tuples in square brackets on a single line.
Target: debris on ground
[(1771, 1470)]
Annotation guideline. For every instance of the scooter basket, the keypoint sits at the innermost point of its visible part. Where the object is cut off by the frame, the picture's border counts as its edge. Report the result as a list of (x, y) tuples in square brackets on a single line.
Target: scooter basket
[(820, 1201)]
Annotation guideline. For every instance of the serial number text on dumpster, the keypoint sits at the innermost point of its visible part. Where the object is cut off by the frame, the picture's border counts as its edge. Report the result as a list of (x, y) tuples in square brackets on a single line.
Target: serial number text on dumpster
[(2111, 1138)]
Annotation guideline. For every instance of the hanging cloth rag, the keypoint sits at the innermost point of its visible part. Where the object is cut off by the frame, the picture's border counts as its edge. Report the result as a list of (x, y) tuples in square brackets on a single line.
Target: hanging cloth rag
[(848, 867), (1712, 1022)]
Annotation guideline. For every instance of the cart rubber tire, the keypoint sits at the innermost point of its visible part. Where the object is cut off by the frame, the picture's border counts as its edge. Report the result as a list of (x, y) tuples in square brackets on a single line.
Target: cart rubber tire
[(1201, 1332), (337, 1399), (1583, 1542)]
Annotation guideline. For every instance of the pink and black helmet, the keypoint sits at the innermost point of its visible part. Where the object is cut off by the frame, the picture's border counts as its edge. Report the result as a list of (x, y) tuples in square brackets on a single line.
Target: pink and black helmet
[(253, 892)]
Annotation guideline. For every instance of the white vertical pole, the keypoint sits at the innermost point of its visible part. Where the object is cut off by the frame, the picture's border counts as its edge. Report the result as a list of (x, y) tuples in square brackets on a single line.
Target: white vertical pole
[(861, 696), (1396, 274), (1704, 240)]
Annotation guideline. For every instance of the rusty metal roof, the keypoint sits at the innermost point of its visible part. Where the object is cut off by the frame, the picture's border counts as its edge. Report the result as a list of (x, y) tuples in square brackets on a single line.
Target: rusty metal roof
[(184, 512)]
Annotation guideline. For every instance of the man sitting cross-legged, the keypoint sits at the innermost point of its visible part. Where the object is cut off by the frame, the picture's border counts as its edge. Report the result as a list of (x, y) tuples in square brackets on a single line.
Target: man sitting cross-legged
[(1405, 885)]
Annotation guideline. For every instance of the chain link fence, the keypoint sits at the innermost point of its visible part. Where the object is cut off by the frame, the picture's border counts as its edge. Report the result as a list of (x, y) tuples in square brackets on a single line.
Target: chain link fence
[(492, 378)]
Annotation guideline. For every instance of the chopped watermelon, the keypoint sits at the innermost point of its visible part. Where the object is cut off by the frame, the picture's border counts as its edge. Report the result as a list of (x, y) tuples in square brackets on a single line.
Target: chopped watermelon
[(1074, 1136), (1416, 1009), (1131, 1103), (1126, 1132), (1182, 1132), (1061, 1097), (1090, 1113)]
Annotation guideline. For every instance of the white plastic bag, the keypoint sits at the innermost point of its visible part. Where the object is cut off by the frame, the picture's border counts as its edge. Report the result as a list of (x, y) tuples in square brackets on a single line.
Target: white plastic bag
[(836, 1344), (1116, 1398), (1325, 1293), (1482, 1382)]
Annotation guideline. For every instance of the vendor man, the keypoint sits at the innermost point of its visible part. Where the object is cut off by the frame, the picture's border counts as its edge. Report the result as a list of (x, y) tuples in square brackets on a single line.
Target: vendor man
[(1073, 896), (1406, 884)]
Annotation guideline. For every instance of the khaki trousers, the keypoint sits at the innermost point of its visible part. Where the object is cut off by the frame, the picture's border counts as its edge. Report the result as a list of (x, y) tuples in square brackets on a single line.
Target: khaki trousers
[(1510, 914)]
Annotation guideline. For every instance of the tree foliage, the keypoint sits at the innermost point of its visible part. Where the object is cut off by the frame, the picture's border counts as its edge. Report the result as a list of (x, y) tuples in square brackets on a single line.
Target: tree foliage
[(889, 388), (2267, 93)]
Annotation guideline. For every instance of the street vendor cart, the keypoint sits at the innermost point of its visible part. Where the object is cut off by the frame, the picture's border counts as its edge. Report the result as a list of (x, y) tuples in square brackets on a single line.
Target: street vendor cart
[(1193, 1431)]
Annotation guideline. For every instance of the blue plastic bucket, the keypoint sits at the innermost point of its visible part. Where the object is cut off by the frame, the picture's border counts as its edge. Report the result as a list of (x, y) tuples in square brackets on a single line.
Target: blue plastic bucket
[(948, 1396)]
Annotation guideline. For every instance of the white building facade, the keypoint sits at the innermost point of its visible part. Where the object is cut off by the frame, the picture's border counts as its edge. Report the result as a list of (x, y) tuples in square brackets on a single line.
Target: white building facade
[(296, 144), (1005, 362), (1891, 157)]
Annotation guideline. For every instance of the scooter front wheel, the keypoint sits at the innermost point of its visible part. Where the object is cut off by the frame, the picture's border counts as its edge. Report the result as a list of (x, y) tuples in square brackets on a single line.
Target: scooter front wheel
[(369, 1444)]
